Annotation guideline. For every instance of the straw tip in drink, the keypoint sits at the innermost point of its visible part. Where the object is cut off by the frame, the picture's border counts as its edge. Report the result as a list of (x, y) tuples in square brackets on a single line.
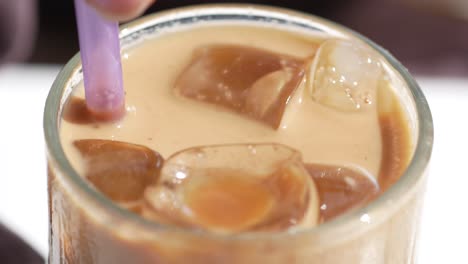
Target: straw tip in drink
[(108, 114)]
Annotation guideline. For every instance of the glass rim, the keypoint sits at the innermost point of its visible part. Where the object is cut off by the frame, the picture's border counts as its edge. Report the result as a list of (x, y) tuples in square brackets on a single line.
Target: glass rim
[(411, 177)]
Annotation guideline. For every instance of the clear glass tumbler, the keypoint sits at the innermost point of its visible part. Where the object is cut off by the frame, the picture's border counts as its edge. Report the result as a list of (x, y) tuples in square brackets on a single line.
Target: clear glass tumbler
[(86, 227)]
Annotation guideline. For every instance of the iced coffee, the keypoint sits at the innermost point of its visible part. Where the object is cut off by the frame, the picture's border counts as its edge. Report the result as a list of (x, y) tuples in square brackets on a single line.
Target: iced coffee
[(256, 142)]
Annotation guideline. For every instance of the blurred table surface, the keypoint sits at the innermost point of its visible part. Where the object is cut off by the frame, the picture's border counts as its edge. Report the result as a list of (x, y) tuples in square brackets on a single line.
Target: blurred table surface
[(23, 183)]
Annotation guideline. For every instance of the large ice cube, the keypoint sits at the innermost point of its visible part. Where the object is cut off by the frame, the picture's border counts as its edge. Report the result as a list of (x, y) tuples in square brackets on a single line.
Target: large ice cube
[(250, 81), (345, 75), (341, 189), (234, 188), (120, 170)]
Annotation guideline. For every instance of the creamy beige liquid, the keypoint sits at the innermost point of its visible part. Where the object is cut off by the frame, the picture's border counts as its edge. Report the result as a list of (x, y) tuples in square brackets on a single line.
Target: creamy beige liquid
[(167, 123), (162, 119)]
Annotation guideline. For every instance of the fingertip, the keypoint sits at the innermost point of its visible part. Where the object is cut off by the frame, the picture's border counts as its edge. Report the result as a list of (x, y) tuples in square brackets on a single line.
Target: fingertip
[(120, 10)]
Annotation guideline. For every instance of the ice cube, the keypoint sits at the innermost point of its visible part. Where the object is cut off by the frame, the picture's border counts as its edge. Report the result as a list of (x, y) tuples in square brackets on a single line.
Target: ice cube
[(235, 188), (341, 189), (120, 170), (249, 81), (345, 75)]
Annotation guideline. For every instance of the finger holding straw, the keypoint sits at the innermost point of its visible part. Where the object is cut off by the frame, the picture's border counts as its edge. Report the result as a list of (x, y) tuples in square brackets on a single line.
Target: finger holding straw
[(121, 10)]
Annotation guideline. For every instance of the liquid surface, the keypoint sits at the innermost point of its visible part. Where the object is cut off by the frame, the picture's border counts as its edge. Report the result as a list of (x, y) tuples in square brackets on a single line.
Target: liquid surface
[(349, 151)]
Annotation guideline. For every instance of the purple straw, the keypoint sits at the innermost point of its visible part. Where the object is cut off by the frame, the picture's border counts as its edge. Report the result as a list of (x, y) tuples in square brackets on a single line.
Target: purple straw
[(102, 69)]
